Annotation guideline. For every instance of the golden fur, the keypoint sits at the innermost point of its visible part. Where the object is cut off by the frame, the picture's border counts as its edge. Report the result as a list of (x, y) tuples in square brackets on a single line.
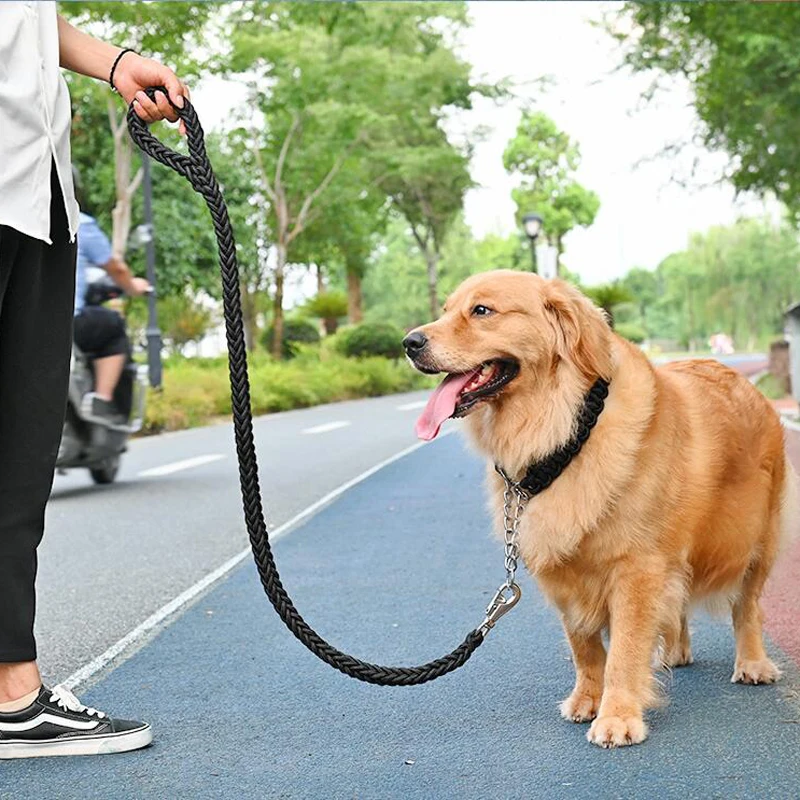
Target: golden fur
[(681, 494)]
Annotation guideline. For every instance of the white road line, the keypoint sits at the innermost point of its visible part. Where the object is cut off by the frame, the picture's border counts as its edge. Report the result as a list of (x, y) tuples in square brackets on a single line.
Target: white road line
[(128, 641), (412, 406), (327, 426), (178, 466)]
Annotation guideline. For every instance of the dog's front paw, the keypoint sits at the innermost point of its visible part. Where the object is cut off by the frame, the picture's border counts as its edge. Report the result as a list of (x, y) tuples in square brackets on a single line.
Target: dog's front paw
[(580, 707), (617, 731), (763, 671)]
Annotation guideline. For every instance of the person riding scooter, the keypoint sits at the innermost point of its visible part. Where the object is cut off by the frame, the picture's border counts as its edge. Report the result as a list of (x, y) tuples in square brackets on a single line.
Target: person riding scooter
[(99, 332)]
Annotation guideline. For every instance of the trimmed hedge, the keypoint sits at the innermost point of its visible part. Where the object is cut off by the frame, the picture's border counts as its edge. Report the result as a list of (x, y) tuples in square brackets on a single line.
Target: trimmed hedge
[(371, 339), (196, 390), (295, 331)]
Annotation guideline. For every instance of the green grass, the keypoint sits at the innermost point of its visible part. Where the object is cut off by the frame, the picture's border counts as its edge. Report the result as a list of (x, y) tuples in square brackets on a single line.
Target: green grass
[(770, 387), (196, 391)]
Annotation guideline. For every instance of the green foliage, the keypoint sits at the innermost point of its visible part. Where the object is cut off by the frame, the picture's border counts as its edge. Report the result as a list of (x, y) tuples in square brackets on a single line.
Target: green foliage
[(631, 331), (771, 387), (395, 286), (545, 160), (371, 339), (741, 61), (296, 331), (197, 390), (182, 320), (185, 246), (609, 296), (737, 280), (170, 31), (327, 305), (346, 102)]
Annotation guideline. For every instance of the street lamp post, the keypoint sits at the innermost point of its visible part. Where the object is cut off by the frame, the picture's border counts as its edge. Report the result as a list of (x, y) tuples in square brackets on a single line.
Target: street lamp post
[(153, 332), (532, 225)]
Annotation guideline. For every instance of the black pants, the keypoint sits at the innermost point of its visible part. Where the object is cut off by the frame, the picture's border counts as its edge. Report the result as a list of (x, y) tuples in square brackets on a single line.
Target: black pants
[(37, 287), (100, 332)]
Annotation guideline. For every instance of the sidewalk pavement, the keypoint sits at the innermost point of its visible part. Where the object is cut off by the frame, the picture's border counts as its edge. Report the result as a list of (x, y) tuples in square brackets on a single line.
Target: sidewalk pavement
[(397, 571)]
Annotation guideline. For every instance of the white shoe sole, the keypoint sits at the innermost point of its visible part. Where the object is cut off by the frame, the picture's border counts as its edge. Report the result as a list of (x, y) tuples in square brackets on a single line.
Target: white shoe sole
[(86, 745)]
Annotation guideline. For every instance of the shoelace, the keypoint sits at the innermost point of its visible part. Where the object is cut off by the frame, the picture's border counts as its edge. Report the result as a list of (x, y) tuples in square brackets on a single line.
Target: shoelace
[(66, 700)]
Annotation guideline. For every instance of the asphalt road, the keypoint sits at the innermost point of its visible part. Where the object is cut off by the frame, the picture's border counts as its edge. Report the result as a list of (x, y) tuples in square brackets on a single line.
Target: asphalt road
[(397, 570), (113, 555)]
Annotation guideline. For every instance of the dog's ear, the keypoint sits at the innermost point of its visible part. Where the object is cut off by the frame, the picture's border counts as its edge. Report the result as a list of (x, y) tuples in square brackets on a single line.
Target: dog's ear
[(583, 335)]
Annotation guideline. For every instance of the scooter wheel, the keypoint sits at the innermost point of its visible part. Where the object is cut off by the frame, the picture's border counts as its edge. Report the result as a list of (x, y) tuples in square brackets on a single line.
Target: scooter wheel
[(105, 471)]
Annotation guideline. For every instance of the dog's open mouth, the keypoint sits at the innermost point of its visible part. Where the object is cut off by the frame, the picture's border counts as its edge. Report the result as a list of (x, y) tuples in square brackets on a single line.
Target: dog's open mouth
[(460, 392)]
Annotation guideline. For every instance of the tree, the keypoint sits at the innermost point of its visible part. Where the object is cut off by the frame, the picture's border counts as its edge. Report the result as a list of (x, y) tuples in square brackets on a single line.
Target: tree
[(166, 31), (186, 250), (643, 286), (395, 287), (736, 279), (545, 160), (741, 61), (427, 184), (333, 85)]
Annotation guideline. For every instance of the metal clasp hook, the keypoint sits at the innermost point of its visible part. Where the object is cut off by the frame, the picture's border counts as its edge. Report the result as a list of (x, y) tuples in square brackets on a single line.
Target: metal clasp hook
[(505, 598)]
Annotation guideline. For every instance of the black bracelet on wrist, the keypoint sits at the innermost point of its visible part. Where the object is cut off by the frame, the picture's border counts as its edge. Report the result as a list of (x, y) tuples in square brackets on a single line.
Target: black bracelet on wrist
[(114, 65)]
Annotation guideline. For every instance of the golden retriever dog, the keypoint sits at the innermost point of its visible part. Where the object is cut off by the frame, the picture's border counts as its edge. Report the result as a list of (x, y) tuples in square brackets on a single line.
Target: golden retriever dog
[(681, 494)]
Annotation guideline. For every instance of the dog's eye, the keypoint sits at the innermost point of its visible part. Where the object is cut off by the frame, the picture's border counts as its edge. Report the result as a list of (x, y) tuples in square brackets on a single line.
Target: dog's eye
[(481, 311)]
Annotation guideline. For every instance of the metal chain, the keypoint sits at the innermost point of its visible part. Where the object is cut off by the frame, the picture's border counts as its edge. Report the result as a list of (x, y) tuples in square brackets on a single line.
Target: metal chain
[(515, 498)]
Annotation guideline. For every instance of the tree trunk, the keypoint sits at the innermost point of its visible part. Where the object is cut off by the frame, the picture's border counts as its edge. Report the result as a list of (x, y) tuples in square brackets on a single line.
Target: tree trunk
[(432, 259), (249, 317), (320, 279), (121, 215), (277, 302), (355, 312), (125, 186)]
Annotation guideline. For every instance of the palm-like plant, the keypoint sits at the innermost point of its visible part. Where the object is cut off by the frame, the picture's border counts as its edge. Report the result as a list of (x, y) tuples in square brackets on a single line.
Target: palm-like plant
[(608, 296)]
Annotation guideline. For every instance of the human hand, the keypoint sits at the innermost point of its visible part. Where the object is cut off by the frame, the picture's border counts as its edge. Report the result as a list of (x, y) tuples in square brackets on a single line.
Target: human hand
[(134, 74), (138, 287)]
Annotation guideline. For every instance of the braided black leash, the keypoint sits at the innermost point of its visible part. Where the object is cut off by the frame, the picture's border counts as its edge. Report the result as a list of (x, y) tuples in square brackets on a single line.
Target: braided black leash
[(541, 474), (196, 168)]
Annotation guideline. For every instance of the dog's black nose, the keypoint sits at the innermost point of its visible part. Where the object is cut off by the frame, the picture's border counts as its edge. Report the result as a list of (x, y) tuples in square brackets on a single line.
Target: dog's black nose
[(414, 343)]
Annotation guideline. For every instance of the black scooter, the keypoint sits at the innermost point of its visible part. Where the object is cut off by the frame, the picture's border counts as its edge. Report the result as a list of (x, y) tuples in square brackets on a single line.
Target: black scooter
[(86, 444)]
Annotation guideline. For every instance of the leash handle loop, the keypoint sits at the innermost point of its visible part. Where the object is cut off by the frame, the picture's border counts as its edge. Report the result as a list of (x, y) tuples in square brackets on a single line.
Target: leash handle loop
[(153, 147)]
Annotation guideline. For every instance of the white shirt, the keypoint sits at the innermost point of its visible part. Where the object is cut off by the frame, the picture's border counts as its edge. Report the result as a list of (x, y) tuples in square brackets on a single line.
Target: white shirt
[(34, 120)]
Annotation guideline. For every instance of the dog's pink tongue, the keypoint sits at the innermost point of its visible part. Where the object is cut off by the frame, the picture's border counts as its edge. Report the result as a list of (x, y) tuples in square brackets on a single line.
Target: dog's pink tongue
[(441, 405)]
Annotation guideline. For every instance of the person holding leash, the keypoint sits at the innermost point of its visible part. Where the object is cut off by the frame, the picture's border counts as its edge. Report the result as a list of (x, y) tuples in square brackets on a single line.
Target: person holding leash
[(38, 223)]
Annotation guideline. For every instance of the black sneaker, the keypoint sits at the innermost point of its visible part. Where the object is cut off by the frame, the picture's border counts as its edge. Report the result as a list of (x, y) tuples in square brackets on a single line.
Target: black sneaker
[(102, 412), (56, 724)]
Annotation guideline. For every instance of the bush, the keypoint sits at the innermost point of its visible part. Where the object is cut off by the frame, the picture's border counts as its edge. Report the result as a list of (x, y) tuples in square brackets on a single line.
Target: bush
[(196, 390), (327, 305), (631, 331), (295, 330), (372, 339)]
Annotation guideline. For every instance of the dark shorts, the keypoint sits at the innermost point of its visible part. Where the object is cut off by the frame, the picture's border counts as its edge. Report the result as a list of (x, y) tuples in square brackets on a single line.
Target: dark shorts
[(100, 332)]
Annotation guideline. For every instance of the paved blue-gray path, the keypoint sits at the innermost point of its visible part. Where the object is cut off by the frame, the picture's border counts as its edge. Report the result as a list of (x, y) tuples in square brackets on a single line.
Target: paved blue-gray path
[(398, 570)]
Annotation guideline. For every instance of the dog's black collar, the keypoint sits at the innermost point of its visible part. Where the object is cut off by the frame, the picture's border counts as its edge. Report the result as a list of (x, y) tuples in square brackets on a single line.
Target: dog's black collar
[(542, 473)]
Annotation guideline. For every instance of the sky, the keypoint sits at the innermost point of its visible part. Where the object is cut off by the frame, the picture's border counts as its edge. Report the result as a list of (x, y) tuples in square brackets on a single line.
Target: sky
[(644, 215)]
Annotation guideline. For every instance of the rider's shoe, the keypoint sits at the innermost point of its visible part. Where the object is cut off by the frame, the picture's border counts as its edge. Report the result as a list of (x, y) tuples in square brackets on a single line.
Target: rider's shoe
[(57, 724), (102, 412)]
